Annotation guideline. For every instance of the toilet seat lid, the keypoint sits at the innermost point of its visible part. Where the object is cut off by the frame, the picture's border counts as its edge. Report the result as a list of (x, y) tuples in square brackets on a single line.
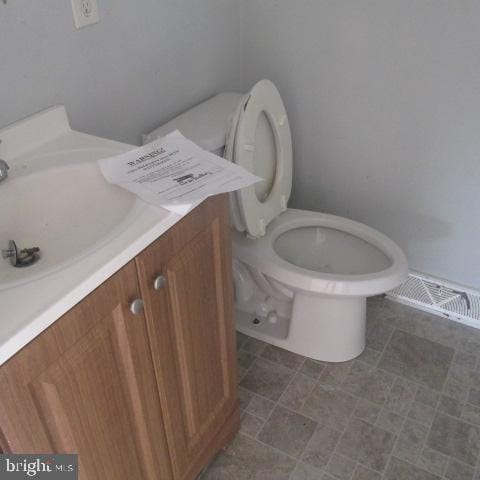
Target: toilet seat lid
[(263, 146)]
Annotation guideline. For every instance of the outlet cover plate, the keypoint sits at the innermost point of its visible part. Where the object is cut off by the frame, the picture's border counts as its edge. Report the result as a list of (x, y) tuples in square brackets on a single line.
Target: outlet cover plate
[(85, 12)]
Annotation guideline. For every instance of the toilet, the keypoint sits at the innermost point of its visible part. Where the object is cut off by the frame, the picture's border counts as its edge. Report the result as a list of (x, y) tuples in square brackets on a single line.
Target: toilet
[(301, 278)]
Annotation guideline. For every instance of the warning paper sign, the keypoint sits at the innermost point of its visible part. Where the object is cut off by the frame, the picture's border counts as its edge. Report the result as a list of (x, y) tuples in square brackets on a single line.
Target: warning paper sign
[(174, 173)]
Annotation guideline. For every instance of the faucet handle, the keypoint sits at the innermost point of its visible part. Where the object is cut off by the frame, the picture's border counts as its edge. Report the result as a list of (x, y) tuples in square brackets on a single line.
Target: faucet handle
[(21, 258)]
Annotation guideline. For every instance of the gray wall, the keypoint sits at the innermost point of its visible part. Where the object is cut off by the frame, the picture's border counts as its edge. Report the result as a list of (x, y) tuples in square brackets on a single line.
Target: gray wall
[(384, 103), (144, 62), (383, 96)]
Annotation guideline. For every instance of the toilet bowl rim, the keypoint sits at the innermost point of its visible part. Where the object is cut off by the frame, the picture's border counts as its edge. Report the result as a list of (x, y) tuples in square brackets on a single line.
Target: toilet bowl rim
[(260, 254)]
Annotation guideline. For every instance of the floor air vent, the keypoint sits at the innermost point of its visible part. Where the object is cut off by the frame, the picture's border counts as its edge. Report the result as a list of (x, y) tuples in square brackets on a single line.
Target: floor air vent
[(440, 297)]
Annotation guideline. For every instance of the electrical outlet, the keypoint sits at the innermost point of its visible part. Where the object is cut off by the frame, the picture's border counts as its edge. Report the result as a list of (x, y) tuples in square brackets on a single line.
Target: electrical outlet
[(85, 12)]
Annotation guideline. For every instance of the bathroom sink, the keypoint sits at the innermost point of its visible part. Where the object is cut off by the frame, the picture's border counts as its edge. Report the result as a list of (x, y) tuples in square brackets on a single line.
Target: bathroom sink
[(62, 204), (56, 198)]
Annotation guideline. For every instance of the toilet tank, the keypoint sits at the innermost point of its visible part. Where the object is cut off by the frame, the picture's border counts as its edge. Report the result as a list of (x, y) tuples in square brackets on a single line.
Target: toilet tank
[(206, 124)]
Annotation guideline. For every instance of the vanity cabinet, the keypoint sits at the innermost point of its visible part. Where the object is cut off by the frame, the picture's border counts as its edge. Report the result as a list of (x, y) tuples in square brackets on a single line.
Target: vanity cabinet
[(143, 393), (185, 279)]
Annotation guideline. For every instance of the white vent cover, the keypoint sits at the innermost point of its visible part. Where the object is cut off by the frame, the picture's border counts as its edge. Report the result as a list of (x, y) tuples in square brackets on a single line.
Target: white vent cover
[(440, 297)]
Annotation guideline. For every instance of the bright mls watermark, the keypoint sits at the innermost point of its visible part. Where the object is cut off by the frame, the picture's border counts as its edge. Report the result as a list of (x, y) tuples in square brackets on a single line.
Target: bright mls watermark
[(39, 467)]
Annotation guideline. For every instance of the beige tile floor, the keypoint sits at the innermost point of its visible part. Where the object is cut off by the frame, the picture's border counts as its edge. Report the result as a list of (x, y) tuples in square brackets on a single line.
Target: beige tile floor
[(407, 409)]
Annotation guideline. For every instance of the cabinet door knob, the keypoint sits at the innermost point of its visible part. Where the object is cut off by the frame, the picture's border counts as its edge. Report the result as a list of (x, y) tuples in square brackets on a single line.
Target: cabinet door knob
[(136, 306), (159, 282)]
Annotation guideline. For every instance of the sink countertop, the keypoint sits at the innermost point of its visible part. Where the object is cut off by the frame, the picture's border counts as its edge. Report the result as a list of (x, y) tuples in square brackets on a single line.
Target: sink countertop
[(28, 309)]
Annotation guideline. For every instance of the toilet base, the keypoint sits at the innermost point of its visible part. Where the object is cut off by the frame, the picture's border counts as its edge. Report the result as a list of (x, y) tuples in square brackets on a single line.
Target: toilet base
[(326, 328)]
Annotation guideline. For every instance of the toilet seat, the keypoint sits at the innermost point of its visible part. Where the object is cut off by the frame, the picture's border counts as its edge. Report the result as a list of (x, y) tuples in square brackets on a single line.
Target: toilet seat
[(265, 221), (255, 214), (260, 253)]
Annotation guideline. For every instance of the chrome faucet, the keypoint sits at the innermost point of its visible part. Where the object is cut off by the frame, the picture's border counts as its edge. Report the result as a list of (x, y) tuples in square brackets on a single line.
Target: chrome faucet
[(3, 170)]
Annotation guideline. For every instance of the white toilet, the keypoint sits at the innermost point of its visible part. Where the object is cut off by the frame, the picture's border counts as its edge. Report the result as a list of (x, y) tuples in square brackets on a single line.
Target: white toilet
[(301, 278)]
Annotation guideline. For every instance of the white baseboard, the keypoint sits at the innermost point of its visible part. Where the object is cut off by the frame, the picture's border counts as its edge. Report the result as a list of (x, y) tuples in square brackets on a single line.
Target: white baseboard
[(440, 297)]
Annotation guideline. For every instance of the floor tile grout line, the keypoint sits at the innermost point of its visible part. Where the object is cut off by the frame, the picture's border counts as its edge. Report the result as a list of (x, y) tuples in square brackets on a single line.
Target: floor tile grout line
[(260, 353), (397, 436), (346, 427), (339, 387), (437, 410), (476, 425), (299, 411), (426, 469), (334, 452), (271, 413), (341, 432), (255, 416), (248, 368), (435, 450), (291, 457), (259, 357)]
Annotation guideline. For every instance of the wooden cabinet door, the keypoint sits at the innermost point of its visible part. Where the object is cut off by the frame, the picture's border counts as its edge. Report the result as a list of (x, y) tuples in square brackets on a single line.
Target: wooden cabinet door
[(190, 323), (87, 385)]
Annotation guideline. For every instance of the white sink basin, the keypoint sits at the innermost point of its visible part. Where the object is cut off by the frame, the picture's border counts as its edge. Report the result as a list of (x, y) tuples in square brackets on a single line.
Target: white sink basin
[(64, 206), (56, 198)]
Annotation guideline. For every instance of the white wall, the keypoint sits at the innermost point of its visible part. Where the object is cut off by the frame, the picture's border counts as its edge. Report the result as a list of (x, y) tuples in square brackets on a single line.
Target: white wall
[(144, 62), (384, 103)]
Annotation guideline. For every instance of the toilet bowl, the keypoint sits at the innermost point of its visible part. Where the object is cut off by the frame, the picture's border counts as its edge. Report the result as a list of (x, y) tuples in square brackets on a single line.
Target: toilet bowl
[(301, 278), (307, 279)]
